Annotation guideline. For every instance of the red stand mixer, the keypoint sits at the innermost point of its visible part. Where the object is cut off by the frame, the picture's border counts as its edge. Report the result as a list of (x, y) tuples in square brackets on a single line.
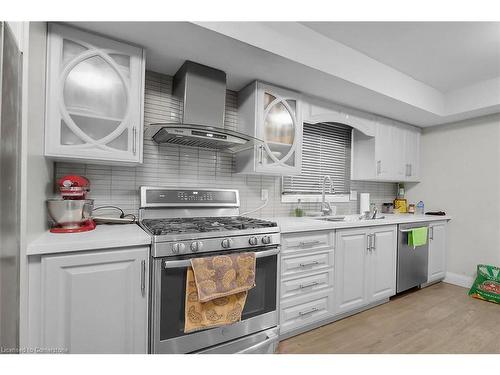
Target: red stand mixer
[(72, 212)]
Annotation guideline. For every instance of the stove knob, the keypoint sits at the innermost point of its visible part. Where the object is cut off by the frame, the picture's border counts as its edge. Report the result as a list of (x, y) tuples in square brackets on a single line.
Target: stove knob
[(253, 241), (178, 248), (196, 246), (266, 240), (226, 243)]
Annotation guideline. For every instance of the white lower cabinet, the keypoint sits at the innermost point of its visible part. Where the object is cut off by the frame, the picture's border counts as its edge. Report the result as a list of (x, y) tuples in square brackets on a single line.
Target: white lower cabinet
[(382, 263), (305, 310), (365, 266), (350, 269), (306, 289), (96, 301), (437, 251)]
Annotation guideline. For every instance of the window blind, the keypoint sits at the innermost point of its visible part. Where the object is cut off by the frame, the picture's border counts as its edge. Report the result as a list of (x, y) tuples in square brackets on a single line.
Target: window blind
[(326, 150)]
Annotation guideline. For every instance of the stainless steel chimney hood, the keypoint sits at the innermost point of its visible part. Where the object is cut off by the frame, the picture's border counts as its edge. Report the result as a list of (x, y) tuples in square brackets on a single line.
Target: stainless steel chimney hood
[(202, 93)]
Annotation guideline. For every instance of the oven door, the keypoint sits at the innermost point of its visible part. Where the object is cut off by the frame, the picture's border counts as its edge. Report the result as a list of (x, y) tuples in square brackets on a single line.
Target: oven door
[(168, 303)]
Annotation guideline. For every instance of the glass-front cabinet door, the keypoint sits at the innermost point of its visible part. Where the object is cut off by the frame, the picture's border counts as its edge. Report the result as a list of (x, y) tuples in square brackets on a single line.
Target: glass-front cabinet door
[(279, 126), (95, 93)]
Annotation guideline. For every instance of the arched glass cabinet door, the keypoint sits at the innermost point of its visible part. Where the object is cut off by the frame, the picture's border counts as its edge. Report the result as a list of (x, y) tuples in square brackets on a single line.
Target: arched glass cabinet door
[(94, 97), (280, 128), (94, 108)]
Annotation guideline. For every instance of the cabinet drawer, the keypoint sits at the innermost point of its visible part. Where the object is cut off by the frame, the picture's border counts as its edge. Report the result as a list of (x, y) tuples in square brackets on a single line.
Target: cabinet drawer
[(307, 284), (306, 241), (305, 310), (306, 263)]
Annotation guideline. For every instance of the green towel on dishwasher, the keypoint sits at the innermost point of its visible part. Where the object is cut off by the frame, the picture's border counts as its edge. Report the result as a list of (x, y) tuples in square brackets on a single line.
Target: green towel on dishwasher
[(417, 237)]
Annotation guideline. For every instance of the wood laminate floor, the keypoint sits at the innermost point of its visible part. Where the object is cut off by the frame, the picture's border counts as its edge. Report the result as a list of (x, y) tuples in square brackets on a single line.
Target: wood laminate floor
[(439, 319)]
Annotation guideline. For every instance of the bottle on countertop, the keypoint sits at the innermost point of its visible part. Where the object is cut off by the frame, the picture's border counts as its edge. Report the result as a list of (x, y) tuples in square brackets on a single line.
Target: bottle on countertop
[(299, 212), (400, 203), (401, 191), (420, 208)]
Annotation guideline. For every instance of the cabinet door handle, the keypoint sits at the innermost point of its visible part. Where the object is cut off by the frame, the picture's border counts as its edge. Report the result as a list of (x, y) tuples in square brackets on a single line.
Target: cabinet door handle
[(261, 154), (369, 242), (302, 265), (374, 243), (410, 170), (431, 233), (143, 277), (379, 166), (313, 310), (303, 286), (134, 140), (309, 243)]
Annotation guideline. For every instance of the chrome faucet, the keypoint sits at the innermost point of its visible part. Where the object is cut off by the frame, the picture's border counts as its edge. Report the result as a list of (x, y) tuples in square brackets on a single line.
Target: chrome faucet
[(326, 209)]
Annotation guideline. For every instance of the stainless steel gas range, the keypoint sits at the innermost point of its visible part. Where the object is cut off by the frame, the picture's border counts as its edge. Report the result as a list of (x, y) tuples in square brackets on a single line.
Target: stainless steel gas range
[(188, 223)]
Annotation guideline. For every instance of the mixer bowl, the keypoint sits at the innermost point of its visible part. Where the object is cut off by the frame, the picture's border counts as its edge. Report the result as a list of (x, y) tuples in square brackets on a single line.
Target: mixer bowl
[(69, 213)]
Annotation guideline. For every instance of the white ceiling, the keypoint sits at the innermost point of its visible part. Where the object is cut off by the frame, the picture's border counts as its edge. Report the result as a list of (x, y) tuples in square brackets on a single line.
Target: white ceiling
[(444, 55), (292, 55)]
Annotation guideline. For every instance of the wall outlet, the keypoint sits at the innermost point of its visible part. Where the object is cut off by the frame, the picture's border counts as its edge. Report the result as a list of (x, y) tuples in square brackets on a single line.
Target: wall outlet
[(353, 195), (264, 194)]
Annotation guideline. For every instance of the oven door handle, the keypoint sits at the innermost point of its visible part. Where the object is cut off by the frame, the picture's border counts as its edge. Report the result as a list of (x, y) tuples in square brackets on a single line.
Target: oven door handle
[(271, 339), (187, 262)]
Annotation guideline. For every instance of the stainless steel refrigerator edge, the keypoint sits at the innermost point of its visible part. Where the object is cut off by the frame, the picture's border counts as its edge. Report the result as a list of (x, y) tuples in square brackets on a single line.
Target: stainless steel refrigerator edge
[(10, 128), (412, 262)]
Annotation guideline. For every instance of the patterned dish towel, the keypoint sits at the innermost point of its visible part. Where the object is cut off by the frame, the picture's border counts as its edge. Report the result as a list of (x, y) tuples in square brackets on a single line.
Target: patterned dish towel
[(216, 290)]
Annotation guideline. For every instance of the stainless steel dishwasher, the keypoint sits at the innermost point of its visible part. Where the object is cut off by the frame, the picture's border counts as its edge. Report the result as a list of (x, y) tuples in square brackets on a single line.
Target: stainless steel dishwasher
[(412, 262)]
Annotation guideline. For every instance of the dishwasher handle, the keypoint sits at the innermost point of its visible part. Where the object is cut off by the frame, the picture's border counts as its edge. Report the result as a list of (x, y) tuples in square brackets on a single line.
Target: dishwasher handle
[(409, 230)]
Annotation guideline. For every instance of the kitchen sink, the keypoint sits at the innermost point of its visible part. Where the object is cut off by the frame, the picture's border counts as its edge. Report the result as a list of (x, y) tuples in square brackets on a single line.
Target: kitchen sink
[(343, 218), (330, 218)]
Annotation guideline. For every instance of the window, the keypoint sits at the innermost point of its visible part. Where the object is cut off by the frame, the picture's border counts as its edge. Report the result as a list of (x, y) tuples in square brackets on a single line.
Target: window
[(326, 150)]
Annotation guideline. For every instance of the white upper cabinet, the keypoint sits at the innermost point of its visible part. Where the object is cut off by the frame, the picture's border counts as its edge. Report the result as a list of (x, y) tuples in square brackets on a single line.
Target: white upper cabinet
[(95, 94), (412, 154), (382, 149), (391, 155), (271, 114), (317, 111)]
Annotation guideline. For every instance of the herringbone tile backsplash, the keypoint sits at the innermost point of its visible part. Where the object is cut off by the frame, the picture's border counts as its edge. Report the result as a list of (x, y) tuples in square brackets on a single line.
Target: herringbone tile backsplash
[(179, 166)]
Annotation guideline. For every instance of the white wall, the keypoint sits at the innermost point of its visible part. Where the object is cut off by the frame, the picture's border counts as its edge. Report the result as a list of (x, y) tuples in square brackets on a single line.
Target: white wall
[(461, 175)]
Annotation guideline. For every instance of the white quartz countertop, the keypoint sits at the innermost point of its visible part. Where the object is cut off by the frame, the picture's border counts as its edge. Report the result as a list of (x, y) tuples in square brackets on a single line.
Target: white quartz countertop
[(303, 224), (118, 236), (102, 237)]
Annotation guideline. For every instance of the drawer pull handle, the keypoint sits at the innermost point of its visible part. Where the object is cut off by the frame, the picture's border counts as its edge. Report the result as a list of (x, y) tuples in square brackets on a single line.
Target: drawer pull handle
[(134, 140), (143, 277), (304, 313), (303, 286), (302, 265), (309, 243)]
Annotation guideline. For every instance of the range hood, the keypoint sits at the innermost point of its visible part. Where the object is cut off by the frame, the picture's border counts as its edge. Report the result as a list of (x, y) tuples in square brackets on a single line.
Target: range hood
[(202, 94)]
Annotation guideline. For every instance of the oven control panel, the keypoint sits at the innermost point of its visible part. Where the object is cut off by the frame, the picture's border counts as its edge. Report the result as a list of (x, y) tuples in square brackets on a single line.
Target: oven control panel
[(167, 197), (186, 247)]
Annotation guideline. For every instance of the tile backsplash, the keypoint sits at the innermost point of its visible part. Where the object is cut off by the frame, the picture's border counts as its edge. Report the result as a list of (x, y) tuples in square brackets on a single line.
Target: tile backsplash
[(180, 166)]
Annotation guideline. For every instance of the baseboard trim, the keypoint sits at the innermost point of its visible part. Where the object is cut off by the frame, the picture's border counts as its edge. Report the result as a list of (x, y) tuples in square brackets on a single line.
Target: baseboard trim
[(457, 279), (329, 320)]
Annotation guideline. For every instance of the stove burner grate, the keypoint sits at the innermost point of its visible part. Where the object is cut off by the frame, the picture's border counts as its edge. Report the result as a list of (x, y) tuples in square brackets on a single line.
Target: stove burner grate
[(204, 224)]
